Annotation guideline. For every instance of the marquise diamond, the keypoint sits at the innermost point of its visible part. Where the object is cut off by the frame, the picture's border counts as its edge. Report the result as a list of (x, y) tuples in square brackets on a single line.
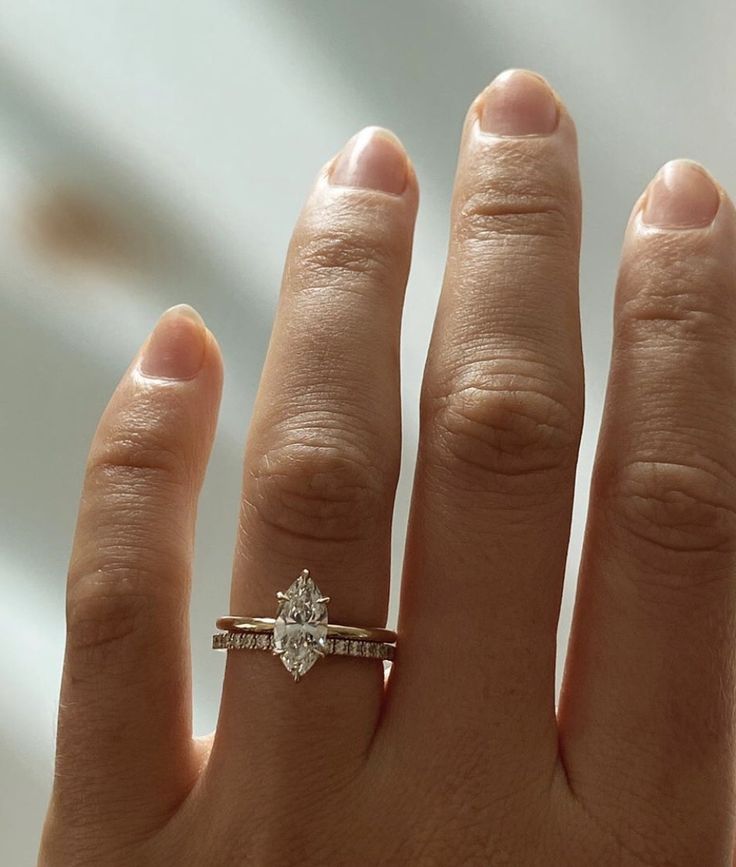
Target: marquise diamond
[(300, 626)]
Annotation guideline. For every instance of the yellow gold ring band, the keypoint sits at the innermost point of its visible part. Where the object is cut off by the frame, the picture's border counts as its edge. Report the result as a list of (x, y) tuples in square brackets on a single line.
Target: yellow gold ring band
[(258, 625)]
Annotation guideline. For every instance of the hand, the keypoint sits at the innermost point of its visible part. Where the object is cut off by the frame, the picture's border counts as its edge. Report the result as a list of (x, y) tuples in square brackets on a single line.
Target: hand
[(461, 759)]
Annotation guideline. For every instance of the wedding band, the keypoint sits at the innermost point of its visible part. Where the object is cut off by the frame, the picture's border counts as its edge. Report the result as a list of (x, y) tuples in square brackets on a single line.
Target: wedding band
[(300, 634), (332, 647)]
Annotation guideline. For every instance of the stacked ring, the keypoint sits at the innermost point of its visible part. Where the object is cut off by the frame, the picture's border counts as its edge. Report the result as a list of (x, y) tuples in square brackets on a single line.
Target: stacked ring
[(300, 633)]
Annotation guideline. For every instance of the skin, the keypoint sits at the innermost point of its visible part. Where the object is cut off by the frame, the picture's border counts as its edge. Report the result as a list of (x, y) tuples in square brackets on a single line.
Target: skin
[(462, 758)]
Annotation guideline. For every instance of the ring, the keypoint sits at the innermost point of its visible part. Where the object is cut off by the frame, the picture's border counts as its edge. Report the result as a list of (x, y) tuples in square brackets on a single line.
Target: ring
[(300, 634), (259, 625)]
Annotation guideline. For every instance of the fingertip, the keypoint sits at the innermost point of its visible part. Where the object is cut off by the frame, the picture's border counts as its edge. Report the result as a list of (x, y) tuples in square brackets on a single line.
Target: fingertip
[(682, 195), (518, 103), (176, 347), (180, 349), (373, 159), (353, 204), (373, 170), (683, 208), (213, 353)]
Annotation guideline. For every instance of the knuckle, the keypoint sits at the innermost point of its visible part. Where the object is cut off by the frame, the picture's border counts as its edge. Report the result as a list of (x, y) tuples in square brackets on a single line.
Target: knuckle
[(485, 217), (331, 255), (99, 620), (674, 288), (117, 586), (326, 491), (517, 194), (504, 428), (682, 517), (141, 448), (108, 610), (512, 203), (684, 313)]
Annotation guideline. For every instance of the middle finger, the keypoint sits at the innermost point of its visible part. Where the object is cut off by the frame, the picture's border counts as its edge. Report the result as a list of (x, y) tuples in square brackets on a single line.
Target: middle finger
[(501, 416)]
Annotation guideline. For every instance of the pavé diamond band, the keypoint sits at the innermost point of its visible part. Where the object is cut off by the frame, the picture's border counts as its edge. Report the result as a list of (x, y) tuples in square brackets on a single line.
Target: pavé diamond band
[(300, 634), (333, 646)]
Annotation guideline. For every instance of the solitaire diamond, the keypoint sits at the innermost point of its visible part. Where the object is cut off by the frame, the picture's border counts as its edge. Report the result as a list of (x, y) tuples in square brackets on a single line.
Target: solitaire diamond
[(300, 627)]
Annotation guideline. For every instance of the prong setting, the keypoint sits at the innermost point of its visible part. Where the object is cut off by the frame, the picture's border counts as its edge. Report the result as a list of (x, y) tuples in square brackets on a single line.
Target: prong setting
[(300, 634), (300, 625)]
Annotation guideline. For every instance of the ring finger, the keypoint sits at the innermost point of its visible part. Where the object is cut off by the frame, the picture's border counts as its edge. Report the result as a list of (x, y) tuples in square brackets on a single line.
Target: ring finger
[(322, 461)]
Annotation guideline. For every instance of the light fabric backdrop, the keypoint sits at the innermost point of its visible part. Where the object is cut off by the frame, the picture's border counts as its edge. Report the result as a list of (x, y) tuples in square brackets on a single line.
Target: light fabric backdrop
[(153, 153)]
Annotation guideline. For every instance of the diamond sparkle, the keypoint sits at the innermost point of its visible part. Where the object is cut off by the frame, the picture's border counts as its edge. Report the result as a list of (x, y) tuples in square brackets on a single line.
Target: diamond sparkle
[(300, 626)]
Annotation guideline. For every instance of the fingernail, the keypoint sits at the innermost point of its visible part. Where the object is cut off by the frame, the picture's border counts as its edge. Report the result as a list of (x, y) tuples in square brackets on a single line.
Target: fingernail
[(518, 102), (175, 349), (373, 159), (681, 196)]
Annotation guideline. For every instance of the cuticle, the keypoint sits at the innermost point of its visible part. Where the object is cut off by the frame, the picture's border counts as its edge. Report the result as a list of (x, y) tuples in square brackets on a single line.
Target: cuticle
[(502, 136)]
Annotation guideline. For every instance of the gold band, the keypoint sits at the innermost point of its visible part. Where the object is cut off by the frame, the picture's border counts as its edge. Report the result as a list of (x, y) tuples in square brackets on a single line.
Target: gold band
[(258, 625)]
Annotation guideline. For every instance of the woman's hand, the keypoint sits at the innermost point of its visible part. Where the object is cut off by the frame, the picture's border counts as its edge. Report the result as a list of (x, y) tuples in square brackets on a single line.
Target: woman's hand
[(461, 759)]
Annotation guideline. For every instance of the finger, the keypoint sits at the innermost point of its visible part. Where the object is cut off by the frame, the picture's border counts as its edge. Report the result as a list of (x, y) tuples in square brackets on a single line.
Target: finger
[(648, 707), (124, 740), (501, 414), (322, 459)]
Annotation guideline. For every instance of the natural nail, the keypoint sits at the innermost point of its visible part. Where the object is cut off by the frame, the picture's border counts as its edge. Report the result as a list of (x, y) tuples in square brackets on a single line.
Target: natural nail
[(681, 196), (518, 102), (373, 159), (176, 347)]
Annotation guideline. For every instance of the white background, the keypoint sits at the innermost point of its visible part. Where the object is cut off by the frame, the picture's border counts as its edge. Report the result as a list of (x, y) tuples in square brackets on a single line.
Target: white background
[(189, 131)]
